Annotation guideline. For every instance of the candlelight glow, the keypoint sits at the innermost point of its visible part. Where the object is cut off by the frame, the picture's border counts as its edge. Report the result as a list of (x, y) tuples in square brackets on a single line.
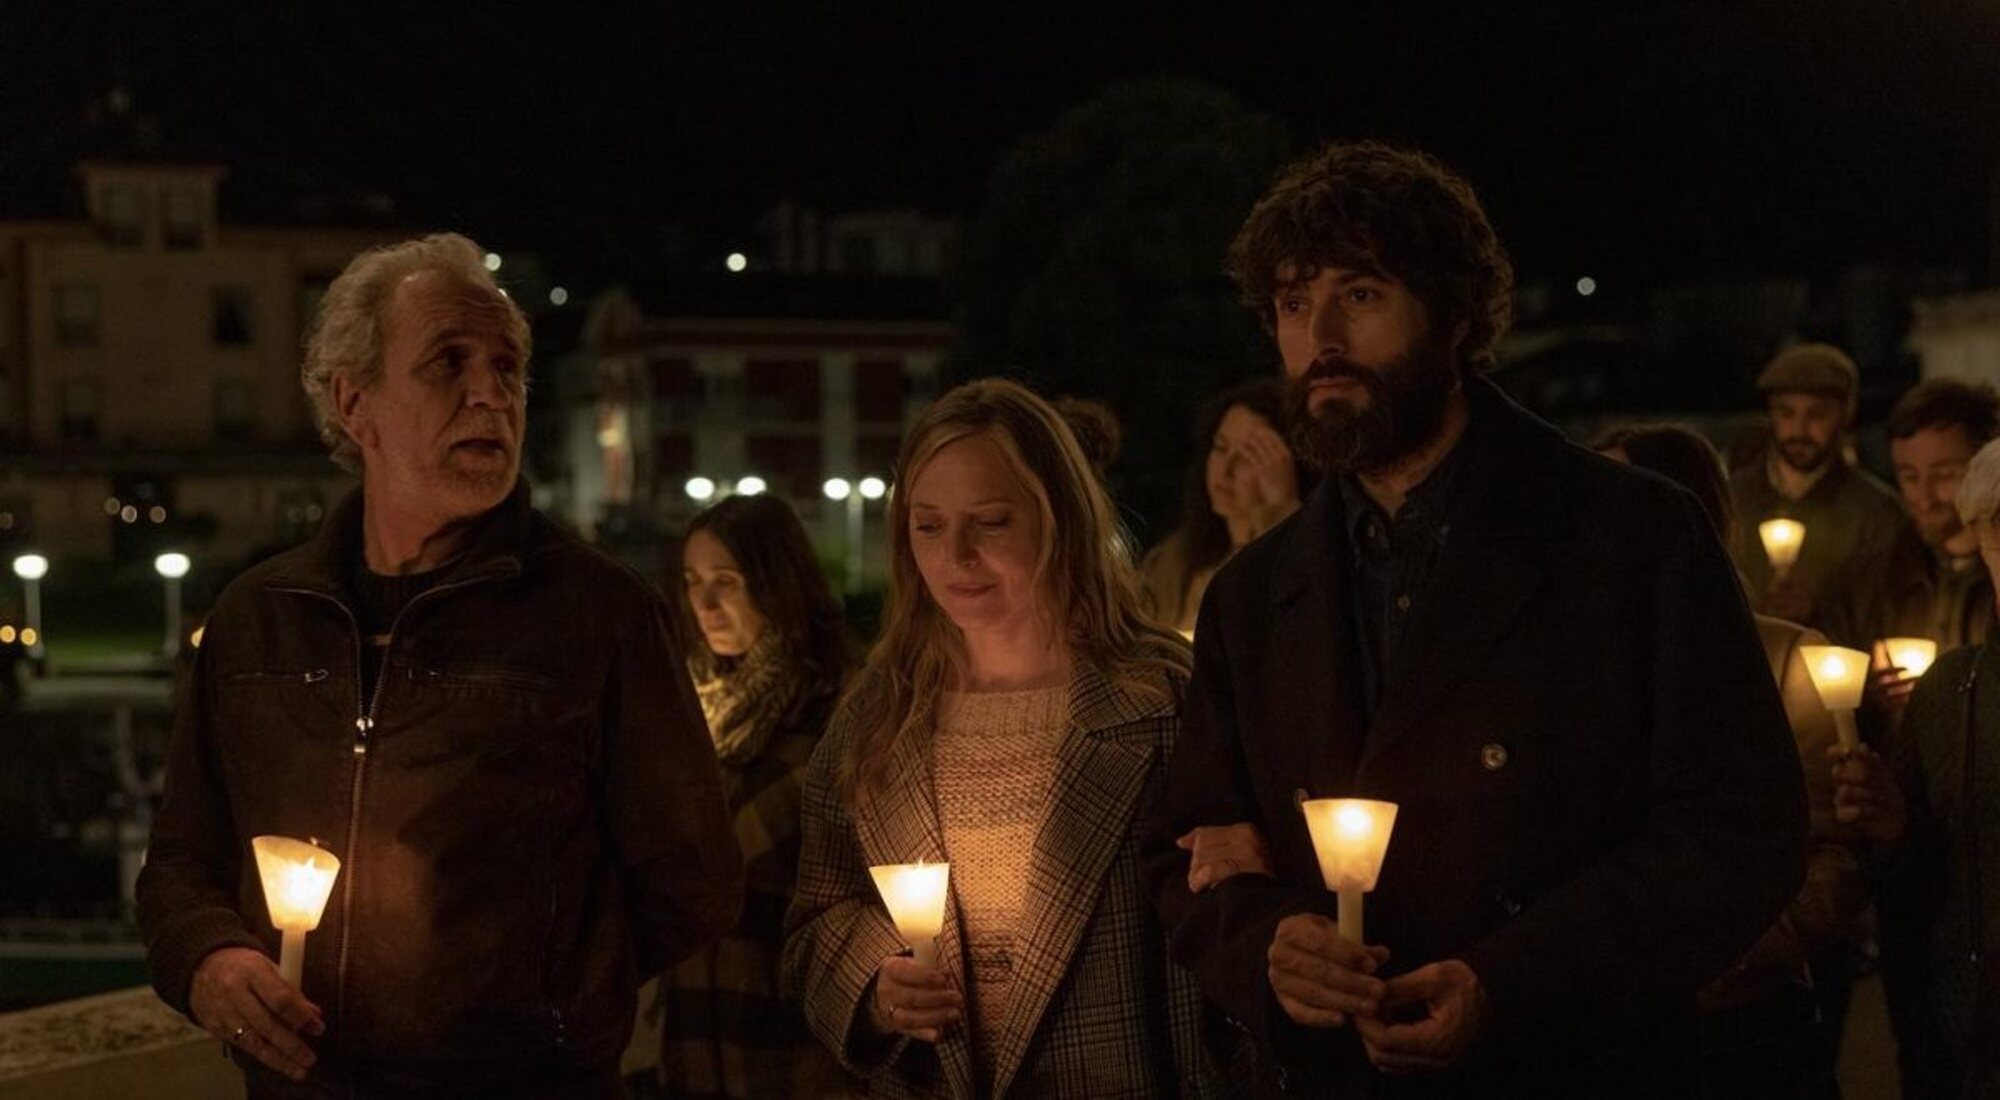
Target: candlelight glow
[(1913, 655), (1351, 837), (914, 894), (1782, 539), (297, 878), (1838, 674)]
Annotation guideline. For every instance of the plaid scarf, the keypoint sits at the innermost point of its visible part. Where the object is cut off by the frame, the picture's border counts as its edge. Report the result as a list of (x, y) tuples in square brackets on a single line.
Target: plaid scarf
[(752, 697)]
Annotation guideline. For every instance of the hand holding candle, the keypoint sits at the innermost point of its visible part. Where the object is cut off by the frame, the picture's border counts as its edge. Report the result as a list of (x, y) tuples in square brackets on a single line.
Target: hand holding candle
[(1840, 676), (1351, 837), (1782, 539), (914, 894), (1914, 656), (297, 879)]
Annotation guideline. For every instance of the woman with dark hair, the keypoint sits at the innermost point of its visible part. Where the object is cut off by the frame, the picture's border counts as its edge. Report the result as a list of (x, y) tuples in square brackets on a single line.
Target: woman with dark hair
[(769, 652), (1245, 481), (1771, 1024)]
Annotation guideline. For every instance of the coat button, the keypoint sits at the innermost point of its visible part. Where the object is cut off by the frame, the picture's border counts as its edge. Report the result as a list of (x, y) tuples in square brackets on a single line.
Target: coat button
[(1493, 756)]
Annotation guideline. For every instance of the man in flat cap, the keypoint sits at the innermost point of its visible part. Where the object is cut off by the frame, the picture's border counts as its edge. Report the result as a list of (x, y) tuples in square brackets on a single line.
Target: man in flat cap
[(1850, 518)]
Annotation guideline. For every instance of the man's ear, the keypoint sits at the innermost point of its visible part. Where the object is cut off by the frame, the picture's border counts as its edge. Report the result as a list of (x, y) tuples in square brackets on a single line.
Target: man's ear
[(350, 405)]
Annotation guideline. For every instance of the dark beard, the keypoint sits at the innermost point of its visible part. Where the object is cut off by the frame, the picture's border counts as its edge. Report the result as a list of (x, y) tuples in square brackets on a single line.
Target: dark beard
[(1406, 406), (1803, 455)]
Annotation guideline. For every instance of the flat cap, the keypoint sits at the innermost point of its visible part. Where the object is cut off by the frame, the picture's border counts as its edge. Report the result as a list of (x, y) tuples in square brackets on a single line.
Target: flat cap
[(1811, 368)]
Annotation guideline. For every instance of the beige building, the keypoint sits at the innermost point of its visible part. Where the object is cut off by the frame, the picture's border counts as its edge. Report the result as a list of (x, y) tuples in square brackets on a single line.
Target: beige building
[(149, 371)]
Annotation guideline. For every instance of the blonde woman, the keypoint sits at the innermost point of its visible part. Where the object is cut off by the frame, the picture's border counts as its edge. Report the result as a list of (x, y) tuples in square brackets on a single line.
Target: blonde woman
[(1013, 720)]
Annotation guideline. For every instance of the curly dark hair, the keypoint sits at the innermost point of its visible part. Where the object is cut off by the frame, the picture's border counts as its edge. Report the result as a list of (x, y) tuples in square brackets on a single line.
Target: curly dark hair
[(1374, 208), (1944, 402)]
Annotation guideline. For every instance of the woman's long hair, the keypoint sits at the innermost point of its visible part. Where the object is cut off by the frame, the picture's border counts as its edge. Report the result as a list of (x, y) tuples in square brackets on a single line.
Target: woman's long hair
[(1083, 574), (782, 576)]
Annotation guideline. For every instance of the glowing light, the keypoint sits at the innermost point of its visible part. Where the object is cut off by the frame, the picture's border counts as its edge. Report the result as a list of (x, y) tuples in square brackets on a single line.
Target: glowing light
[(736, 262), (194, 638), (492, 261), (873, 488), (29, 636), (751, 486), (297, 878), (7, 635), (1913, 655), (558, 296), (157, 514), (1782, 540), (172, 565), (914, 894), (700, 488), (31, 567), (111, 505), (1586, 286), (836, 488), (128, 514)]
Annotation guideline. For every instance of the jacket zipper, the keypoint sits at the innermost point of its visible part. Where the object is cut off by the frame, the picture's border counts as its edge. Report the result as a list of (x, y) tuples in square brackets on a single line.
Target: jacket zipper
[(364, 725)]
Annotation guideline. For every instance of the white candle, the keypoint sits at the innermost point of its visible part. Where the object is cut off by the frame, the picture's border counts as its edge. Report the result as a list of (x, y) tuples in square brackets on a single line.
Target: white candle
[(1350, 836), (1840, 676), (914, 894), (1782, 539), (297, 877), (1913, 655)]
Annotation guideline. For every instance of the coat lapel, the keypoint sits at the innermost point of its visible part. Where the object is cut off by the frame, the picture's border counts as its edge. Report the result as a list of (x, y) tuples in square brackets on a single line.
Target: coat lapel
[(1311, 673), (1101, 767), (900, 825), (1491, 565)]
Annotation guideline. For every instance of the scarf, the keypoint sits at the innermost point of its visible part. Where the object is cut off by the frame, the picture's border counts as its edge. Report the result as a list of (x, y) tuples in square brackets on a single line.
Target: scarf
[(752, 700)]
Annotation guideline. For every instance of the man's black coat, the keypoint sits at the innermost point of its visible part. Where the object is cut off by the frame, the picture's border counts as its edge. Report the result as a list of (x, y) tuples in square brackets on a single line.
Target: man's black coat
[(1600, 803)]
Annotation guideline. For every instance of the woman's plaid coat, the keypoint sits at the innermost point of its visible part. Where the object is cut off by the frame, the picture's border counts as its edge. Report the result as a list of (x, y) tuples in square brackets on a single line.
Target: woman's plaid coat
[(1096, 1009)]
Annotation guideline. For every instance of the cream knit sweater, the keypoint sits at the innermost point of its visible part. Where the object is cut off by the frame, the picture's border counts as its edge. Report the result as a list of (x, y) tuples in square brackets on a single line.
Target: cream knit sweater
[(995, 761)]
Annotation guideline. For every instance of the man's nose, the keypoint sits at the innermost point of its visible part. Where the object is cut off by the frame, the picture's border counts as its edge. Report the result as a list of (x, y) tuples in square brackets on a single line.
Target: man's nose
[(1329, 330), (486, 385)]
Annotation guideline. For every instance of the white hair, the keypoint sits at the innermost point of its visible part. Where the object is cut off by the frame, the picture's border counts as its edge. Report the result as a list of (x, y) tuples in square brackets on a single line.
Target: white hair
[(346, 337), (1979, 492)]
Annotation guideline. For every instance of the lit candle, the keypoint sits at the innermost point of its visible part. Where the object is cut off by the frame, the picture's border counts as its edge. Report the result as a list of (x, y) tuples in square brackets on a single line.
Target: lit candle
[(1840, 675), (297, 878), (915, 894), (1913, 655), (1782, 539), (1350, 836)]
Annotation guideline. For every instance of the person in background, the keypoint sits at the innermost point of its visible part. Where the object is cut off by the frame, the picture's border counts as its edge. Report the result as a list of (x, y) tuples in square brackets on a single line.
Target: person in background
[(1771, 1024), (1932, 805), (1014, 721), (1243, 483), (769, 652), (1852, 521), (1096, 429)]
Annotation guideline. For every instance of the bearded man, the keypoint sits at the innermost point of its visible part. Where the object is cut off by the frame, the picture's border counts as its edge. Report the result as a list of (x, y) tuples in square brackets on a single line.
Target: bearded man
[(1541, 656), (1853, 522)]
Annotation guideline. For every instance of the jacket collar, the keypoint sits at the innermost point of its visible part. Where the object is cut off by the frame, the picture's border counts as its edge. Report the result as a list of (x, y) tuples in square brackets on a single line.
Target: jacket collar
[(498, 546)]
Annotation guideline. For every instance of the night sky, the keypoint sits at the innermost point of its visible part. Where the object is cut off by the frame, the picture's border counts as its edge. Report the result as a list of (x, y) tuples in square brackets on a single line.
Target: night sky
[(1637, 141)]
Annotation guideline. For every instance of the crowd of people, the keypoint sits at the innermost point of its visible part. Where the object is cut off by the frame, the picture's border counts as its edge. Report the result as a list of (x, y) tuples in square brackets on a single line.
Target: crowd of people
[(1632, 853)]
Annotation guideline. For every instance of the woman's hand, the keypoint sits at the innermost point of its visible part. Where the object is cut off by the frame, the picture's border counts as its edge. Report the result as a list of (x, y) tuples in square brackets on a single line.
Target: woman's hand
[(914, 1000), (1221, 851), (1267, 481)]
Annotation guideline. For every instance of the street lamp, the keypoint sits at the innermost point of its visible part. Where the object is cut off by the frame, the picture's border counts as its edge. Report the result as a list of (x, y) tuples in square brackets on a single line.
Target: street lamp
[(838, 489), (750, 486), (172, 566), (700, 488), (31, 568), (873, 488)]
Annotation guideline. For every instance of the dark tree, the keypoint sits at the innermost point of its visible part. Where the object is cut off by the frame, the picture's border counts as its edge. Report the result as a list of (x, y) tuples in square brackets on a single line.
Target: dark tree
[(1095, 268)]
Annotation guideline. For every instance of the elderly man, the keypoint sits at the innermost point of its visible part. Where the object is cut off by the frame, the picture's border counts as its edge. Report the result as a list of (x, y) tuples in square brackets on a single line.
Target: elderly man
[(1541, 656), (1935, 811), (1852, 521), (483, 718)]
